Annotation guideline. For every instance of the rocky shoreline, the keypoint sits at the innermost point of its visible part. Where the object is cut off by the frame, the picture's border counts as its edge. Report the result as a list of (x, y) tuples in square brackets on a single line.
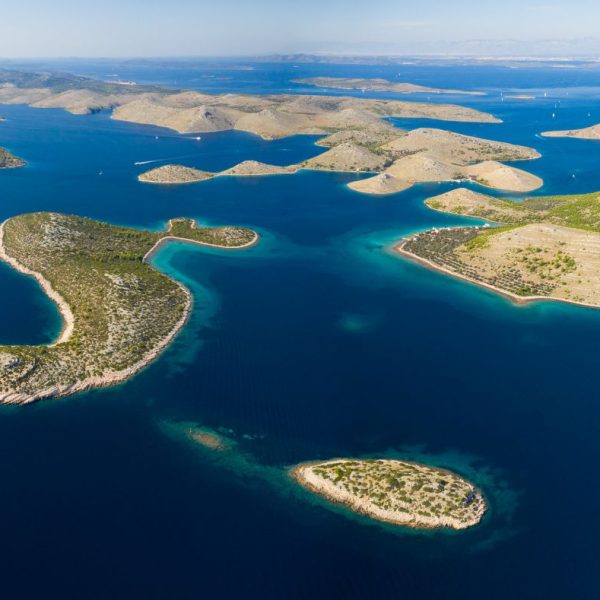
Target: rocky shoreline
[(341, 481)]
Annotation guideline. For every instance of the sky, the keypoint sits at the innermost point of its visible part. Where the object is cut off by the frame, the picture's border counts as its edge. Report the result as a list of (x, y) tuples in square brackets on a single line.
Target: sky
[(168, 28)]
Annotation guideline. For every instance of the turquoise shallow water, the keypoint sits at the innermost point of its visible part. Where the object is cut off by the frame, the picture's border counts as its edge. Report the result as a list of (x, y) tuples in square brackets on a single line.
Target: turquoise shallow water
[(316, 343)]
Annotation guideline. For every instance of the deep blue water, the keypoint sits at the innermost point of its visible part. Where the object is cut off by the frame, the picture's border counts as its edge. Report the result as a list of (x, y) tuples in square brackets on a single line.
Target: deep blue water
[(314, 344)]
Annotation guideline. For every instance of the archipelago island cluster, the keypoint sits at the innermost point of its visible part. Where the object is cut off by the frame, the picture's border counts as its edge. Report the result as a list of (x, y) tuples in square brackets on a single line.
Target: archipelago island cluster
[(119, 312)]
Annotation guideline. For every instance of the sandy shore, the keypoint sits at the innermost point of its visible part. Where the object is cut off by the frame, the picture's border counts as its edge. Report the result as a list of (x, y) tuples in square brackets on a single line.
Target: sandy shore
[(518, 300)]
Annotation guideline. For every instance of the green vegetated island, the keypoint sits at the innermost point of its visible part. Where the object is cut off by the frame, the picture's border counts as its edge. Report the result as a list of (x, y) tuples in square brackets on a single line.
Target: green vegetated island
[(395, 491), (119, 312), (543, 247), (357, 133)]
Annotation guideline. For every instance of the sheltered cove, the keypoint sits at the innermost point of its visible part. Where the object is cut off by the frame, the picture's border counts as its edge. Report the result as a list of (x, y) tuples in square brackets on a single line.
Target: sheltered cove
[(119, 312)]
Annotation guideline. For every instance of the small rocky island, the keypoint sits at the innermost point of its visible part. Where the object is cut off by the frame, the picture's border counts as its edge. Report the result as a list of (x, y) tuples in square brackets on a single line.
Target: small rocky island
[(587, 133), (119, 312), (169, 174), (544, 247), (395, 491), (9, 161)]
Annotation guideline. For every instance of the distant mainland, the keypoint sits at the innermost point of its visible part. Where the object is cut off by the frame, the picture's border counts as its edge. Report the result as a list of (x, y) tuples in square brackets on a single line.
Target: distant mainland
[(379, 85)]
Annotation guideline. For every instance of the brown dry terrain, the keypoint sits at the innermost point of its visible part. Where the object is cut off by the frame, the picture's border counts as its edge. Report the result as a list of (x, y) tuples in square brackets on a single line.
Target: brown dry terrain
[(400, 159), (587, 133), (170, 174), (269, 116), (549, 247)]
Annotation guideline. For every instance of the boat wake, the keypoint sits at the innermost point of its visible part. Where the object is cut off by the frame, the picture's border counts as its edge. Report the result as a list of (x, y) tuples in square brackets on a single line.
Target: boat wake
[(157, 160)]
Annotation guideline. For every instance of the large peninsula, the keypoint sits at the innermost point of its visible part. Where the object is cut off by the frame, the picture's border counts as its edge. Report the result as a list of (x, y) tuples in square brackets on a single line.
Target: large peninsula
[(268, 116), (119, 312), (544, 248), (395, 491)]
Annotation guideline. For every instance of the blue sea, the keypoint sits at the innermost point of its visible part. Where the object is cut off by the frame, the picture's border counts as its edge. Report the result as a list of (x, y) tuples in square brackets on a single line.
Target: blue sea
[(316, 343)]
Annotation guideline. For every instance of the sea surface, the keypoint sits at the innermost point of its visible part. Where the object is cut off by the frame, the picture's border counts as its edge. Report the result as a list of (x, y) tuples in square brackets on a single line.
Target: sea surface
[(317, 343)]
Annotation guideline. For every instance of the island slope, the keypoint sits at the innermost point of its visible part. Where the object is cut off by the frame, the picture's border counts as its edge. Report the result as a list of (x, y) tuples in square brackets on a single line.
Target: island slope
[(119, 312)]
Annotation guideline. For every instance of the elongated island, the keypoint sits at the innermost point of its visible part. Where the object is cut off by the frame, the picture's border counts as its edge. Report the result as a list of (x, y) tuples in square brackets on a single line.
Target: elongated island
[(119, 312), (367, 84), (395, 491), (541, 248), (396, 160)]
